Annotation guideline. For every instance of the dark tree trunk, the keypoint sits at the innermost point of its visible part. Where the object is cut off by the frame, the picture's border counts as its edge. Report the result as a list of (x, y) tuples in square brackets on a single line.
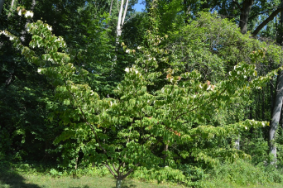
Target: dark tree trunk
[(276, 117), (262, 105), (244, 17), (1, 6)]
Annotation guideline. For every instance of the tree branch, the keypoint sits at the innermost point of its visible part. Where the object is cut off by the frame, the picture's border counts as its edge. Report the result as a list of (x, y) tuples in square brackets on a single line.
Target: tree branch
[(265, 22), (110, 170), (129, 172)]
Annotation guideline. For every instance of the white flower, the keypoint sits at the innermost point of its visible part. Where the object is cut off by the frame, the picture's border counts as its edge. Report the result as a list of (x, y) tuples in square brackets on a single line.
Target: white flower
[(49, 28), (246, 128), (200, 86), (11, 38), (209, 87), (230, 73), (29, 14), (235, 67), (245, 76), (194, 96), (136, 71), (127, 69), (20, 12), (128, 51), (110, 103), (154, 59), (139, 47), (263, 124), (38, 70)]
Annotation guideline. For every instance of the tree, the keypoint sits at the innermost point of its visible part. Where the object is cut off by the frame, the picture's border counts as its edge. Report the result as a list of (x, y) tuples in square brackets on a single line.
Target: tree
[(126, 132)]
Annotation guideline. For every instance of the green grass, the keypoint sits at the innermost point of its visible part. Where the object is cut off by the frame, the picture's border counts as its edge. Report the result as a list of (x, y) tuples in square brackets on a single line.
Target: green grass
[(16, 180), (19, 180)]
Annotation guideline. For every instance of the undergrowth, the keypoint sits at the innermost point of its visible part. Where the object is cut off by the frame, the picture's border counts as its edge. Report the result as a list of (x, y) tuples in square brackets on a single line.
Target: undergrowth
[(240, 173)]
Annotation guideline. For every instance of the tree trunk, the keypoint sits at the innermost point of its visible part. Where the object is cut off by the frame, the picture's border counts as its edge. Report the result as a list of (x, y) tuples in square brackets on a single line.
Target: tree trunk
[(119, 27), (111, 8), (244, 17), (263, 106), (1, 6), (276, 117), (119, 183), (11, 7), (237, 143)]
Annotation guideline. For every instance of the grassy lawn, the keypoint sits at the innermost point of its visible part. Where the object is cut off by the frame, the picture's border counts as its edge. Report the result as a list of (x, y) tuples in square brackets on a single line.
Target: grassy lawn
[(16, 180)]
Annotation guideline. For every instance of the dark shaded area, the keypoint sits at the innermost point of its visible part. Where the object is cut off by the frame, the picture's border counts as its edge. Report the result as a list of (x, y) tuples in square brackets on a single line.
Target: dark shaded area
[(10, 177)]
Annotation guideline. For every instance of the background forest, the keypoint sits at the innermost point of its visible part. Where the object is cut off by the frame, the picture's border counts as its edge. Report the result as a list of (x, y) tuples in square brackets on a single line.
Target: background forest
[(186, 91)]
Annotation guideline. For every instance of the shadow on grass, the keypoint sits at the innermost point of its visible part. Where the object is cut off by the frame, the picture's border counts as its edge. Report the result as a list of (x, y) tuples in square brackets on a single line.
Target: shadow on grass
[(11, 179), (86, 186)]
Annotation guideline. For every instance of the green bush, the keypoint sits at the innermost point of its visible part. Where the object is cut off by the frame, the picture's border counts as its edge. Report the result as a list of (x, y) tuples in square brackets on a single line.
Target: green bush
[(244, 173)]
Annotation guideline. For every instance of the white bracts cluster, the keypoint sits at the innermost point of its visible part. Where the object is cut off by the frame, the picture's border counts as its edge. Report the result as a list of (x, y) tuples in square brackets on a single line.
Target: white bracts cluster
[(4, 33), (49, 28), (128, 51), (29, 14), (20, 12), (209, 88), (131, 69)]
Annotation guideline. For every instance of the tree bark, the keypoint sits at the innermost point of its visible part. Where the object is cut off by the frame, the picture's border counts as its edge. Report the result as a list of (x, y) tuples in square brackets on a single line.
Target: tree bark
[(119, 27), (11, 7), (119, 183), (265, 22), (276, 117), (1, 6), (263, 106), (237, 143), (244, 17), (111, 7), (125, 12)]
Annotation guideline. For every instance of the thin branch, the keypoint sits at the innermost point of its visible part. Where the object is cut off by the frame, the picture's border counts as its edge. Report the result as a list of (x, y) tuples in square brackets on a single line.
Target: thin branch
[(129, 172), (110, 170), (90, 125)]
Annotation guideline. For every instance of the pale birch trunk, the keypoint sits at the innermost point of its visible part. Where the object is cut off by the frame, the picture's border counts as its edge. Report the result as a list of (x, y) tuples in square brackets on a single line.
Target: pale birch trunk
[(121, 17), (13, 4), (237, 143), (276, 117), (119, 28)]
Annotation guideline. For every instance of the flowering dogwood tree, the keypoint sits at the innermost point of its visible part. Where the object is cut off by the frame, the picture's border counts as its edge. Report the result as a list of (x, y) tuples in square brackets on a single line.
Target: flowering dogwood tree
[(123, 133)]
